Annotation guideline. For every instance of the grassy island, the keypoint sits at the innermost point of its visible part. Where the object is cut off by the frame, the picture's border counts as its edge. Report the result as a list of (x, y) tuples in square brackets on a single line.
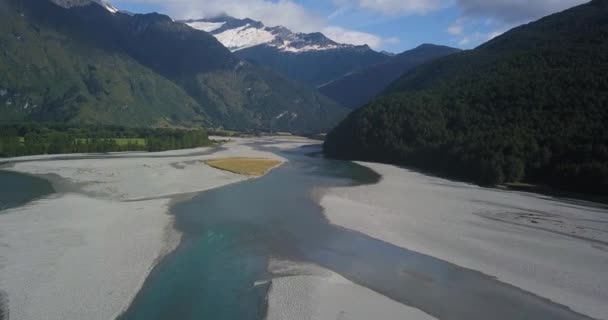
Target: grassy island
[(245, 166)]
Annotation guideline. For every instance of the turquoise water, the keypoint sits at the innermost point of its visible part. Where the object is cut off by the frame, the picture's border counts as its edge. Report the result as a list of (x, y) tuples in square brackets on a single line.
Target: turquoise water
[(17, 189), (212, 273), (231, 233), (208, 277)]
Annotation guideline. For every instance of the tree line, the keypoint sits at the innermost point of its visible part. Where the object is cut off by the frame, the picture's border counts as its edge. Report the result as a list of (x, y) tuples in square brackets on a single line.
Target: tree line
[(34, 139)]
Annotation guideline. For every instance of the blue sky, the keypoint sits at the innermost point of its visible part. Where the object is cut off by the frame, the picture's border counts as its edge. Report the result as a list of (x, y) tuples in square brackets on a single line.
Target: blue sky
[(392, 25)]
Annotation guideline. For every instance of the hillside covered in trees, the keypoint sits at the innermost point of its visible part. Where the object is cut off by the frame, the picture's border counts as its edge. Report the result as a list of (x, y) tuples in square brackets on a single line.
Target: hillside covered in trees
[(88, 65), (530, 105)]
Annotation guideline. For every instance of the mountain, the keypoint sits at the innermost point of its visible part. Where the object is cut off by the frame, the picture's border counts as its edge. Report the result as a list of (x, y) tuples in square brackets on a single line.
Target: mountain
[(82, 62), (530, 105), (356, 89), (50, 75), (239, 34), (308, 57)]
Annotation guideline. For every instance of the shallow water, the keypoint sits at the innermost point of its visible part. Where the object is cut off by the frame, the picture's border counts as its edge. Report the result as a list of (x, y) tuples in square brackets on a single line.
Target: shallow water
[(17, 189), (231, 233)]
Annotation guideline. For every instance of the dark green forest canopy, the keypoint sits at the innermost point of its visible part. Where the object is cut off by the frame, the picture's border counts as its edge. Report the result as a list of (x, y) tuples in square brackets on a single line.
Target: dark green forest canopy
[(35, 138), (530, 105)]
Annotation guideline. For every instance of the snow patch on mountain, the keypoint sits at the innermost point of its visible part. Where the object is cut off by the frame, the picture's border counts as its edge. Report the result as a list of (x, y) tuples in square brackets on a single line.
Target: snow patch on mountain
[(287, 48), (108, 6), (79, 3), (206, 26), (244, 37)]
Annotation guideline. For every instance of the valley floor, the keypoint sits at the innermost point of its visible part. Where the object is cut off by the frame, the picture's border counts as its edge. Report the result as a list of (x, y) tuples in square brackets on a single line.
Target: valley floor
[(302, 291), (84, 252)]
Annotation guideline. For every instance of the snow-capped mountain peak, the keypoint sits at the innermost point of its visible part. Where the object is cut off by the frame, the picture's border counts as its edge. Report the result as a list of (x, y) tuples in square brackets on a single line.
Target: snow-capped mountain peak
[(238, 34), (79, 3)]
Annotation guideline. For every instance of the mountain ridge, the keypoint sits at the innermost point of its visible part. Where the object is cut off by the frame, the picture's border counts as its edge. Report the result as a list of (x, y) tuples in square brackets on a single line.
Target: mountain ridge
[(312, 58), (226, 28)]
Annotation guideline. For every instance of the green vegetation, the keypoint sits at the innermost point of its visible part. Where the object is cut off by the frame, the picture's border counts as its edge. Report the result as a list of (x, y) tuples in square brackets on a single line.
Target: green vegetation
[(528, 106), (50, 75), (358, 88), (119, 141), (251, 98), (32, 139), (87, 66), (244, 166)]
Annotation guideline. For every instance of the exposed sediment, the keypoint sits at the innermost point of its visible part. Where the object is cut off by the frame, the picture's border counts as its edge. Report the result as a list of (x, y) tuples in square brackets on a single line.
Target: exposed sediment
[(84, 253)]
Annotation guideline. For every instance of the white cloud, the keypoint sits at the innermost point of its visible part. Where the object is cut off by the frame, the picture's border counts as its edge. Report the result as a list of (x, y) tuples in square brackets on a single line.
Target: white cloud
[(457, 28), (394, 7), (510, 11), (470, 35), (514, 11), (391, 40), (483, 20), (467, 40), (283, 12), (494, 34), (342, 35)]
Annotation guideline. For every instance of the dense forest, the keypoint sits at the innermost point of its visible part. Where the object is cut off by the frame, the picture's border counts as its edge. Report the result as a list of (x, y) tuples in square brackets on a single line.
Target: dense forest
[(33, 139), (528, 106)]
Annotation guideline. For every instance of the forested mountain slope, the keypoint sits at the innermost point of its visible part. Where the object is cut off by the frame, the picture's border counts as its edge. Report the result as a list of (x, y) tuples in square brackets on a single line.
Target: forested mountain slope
[(48, 75), (358, 88), (530, 105), (93, 65)]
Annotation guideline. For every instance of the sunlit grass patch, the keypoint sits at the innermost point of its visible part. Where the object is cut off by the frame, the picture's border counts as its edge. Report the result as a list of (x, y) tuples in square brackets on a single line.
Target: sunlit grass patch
[(245, 166)]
